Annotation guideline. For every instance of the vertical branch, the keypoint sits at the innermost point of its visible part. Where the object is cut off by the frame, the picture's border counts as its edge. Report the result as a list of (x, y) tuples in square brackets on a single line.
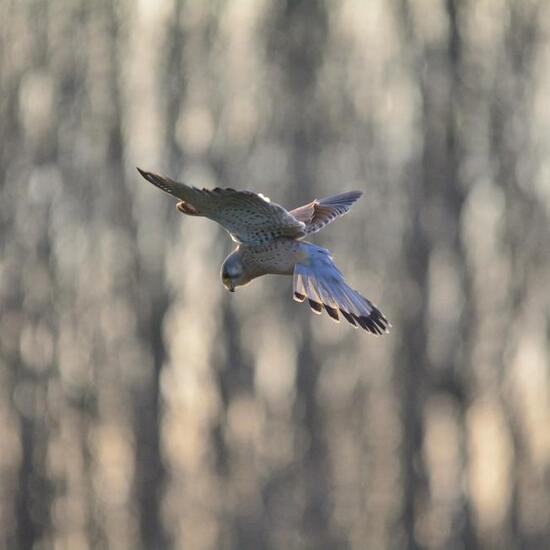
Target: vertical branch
[(31, 305), (525, 225), (412, 355), (296, 47), (453, 378), (435, 195)]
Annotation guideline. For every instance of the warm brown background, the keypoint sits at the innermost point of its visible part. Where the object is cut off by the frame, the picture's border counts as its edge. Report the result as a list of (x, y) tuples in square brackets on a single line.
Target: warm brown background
[(143, 407)]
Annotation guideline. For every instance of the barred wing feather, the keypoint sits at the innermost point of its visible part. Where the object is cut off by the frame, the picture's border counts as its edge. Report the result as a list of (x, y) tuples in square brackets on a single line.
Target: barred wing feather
[(318, 280), (248, 217)]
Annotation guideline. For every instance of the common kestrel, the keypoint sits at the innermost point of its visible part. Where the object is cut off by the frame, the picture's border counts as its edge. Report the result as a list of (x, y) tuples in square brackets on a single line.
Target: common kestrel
[(270, 241)]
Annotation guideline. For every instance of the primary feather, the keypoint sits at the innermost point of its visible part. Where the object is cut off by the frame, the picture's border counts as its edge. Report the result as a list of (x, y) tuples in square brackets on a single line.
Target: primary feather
[(247, 216), (320, 212)]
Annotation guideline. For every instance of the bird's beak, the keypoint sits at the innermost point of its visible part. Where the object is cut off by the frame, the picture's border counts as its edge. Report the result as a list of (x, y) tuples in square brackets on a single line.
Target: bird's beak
[(229, 286)]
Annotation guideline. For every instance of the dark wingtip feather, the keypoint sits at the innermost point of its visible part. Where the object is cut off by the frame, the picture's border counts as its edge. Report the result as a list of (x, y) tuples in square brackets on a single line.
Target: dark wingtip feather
[(362, 322), (165, 184), (375, 323), (315, 306), (368, 324), (380, 321), (143, 173), (150, 177), (299, 297), (349, 318), (333, 313)]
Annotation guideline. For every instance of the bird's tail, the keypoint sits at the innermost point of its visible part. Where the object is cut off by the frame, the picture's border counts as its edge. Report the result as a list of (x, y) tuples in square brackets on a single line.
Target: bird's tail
[(321, 282)]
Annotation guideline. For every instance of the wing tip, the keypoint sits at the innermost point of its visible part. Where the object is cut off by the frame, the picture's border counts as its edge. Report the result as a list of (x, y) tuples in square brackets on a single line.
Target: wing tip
[(165, 184), (347, 196), (149, 176)]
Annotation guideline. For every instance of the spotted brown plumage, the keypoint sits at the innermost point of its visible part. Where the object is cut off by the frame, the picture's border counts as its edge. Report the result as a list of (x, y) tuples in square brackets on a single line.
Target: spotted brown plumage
[(248, 217), (270, 242)]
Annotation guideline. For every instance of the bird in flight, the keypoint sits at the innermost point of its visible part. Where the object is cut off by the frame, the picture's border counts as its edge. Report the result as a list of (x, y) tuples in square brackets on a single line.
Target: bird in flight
[(270, 240)]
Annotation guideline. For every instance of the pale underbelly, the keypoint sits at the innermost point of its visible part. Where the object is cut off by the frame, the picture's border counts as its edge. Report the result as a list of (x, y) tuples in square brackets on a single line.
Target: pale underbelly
[(277, 257)]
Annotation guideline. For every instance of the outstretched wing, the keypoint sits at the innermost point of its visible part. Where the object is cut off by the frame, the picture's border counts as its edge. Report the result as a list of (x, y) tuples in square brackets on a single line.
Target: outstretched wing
[(248, 217), (321, 212), (322, 283)]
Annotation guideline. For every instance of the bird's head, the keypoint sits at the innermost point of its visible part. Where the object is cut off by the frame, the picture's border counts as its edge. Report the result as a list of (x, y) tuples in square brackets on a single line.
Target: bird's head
[(233, 272)]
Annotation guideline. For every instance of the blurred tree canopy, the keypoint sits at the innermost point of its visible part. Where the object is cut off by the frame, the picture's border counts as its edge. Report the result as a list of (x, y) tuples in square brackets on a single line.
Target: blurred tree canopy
[(143, 407)]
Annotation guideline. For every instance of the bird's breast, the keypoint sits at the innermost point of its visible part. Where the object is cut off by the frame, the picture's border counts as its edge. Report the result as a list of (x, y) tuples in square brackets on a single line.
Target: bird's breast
[(278, 256)]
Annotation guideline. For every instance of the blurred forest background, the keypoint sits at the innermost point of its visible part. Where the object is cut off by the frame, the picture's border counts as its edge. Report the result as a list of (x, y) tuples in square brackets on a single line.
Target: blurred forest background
[(144, 407)]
